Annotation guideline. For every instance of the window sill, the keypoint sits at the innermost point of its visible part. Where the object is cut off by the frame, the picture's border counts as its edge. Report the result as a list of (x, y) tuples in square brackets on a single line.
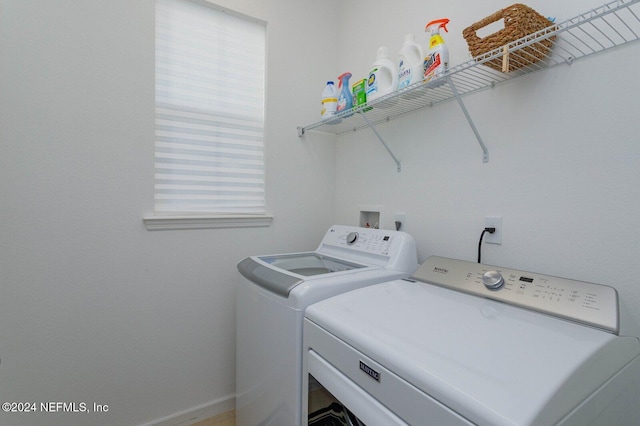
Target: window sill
[(163, 223)]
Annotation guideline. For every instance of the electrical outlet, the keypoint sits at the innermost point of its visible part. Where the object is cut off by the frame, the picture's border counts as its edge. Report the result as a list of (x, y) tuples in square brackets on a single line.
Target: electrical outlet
[(493, 222)]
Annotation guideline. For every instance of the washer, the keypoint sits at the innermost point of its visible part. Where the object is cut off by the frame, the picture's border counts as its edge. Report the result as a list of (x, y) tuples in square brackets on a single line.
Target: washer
[(270, 310), (462, 343)]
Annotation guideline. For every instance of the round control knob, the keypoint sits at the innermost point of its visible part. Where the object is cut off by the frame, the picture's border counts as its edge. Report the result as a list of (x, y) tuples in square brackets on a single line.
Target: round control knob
[(492, 280), (352, 237)]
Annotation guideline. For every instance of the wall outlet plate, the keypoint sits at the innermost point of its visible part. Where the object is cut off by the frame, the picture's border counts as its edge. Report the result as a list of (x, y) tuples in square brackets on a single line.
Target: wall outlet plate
[(493, 222)]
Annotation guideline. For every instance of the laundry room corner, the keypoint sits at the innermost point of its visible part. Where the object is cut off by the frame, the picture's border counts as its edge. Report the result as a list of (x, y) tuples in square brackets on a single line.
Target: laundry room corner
[(562, 156)]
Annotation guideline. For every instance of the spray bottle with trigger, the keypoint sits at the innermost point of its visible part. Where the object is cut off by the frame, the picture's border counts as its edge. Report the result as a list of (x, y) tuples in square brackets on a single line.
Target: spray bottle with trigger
[(436, 63), (345, 98)]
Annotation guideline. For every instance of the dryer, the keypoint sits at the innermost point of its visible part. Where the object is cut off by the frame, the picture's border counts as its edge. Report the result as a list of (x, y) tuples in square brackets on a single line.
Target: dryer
[(270, 305), (462, 343)]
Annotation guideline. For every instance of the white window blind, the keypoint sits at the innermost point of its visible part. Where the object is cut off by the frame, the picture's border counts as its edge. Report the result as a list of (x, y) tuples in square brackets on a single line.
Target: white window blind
[(210, 79)]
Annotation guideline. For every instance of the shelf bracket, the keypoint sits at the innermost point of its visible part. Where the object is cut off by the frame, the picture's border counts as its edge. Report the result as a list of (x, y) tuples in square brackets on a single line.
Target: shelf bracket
[(398, 168), (485, 152)]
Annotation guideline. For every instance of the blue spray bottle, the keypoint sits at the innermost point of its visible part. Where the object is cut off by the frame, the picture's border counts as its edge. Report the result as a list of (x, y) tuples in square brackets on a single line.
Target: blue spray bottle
[(345, 98)]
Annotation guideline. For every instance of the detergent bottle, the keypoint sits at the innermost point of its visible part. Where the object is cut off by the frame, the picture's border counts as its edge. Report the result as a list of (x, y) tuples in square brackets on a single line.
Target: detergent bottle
[(329, 100), (410, 60), (383, 76), (436, 63), (345, 98)]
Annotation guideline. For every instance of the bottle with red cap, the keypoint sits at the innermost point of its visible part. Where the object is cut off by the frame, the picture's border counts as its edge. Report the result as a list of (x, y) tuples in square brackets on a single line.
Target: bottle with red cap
[(436, 63)]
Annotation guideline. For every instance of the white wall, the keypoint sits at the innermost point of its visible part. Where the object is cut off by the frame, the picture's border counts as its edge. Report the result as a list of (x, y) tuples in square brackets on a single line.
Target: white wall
[(93, 307), (564, 154)]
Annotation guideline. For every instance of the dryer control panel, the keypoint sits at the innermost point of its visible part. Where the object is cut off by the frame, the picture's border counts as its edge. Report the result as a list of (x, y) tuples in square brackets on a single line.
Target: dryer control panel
[(587, 303)]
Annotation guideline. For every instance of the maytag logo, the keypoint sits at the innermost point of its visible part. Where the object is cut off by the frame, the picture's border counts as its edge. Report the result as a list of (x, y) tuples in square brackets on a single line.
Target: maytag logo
[(370, 371), (440, 270)]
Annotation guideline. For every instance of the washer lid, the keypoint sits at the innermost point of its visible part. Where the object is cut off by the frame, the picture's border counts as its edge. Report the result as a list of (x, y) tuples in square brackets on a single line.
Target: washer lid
[(490, 362), (309, 264), (283, 272)]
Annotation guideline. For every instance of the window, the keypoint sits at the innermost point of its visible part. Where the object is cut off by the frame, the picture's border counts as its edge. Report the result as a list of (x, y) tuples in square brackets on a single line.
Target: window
[(210, 84)]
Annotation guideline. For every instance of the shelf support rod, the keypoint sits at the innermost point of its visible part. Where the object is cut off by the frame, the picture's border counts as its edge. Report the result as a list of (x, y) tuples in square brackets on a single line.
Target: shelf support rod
[(485, 152), (382, 142)]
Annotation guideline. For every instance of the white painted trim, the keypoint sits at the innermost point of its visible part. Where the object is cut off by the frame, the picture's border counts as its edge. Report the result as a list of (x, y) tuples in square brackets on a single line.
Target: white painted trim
[(197, 413), (159, 223)]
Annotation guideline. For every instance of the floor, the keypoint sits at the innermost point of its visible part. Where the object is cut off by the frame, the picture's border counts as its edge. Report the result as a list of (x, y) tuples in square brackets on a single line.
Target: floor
[(318, 398), (224, 419)]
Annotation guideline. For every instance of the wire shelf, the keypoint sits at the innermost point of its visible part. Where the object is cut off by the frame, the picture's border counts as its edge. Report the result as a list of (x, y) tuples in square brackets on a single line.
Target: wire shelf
[(613, 24)]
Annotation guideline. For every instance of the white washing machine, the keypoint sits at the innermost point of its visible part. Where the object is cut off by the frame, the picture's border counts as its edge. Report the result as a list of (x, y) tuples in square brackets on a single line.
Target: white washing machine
[(270, 310), (462, 343)]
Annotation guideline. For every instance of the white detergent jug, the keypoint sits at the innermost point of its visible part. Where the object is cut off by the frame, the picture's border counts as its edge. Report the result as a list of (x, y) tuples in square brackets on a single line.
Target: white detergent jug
[(410, 60), (383, 76)]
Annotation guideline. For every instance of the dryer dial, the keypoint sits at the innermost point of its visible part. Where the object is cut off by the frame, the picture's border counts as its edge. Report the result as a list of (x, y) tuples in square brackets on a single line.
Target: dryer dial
[(492, 280)]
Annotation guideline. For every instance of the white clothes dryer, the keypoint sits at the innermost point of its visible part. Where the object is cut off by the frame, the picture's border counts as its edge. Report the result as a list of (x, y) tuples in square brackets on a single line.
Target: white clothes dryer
[(463, 343), (271, 301)]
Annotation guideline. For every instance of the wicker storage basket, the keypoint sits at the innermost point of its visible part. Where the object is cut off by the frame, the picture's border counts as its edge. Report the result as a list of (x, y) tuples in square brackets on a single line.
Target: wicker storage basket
[(519, 21)]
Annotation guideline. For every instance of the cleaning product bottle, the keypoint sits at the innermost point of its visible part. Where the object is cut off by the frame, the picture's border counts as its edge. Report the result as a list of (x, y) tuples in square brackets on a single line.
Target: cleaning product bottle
[(436, 63), (329, 100), (345, 98), (383, 76), (410, 60), (360, 94)]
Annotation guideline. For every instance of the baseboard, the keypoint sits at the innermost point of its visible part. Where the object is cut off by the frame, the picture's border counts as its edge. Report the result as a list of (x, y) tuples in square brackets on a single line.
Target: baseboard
[(197, 413)]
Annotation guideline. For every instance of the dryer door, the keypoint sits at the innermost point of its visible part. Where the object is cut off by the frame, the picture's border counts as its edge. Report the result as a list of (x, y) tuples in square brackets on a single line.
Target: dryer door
[(352, 406), (375, 394)]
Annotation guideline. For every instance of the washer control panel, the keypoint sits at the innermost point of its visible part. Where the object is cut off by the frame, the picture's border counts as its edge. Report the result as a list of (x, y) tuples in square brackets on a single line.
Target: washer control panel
[(367, 240), (591, 304), (385, 248)]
